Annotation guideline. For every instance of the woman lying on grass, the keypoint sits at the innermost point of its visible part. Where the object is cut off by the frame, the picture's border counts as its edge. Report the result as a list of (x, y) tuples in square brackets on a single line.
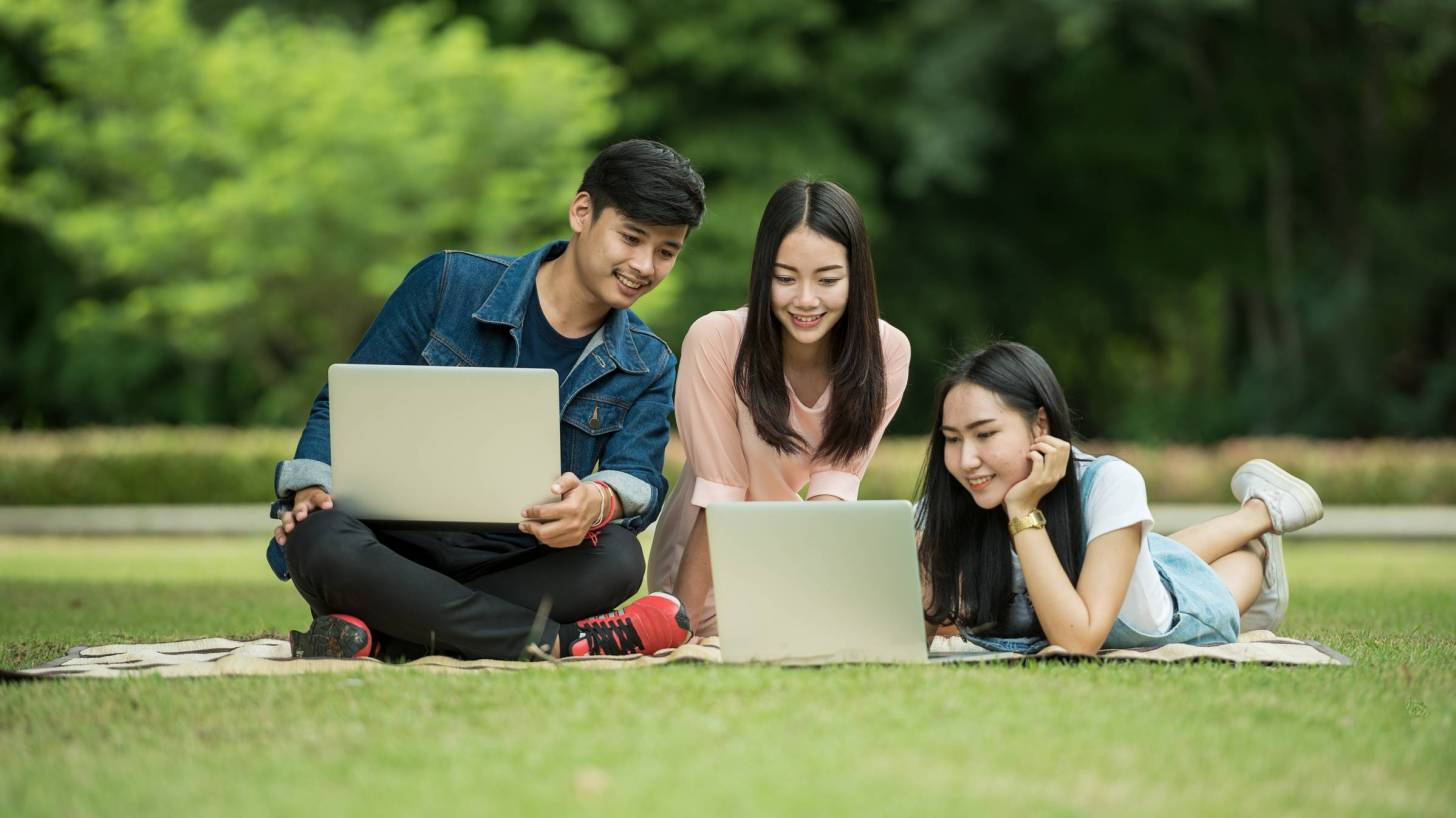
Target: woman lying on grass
[(1026, 540)]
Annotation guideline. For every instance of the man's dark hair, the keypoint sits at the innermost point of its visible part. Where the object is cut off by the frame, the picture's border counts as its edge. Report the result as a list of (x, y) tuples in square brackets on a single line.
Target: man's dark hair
[(647, 182)]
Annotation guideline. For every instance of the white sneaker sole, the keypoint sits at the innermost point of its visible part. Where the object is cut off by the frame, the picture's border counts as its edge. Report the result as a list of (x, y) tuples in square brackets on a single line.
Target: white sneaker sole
[(1267, 612)]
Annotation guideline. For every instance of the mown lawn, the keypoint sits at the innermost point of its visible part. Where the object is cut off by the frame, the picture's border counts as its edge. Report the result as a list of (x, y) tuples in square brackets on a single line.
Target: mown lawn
[(1373, 739)]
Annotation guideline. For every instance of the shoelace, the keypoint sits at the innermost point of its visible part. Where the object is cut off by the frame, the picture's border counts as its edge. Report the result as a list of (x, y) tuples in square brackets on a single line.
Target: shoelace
[(612, 634)]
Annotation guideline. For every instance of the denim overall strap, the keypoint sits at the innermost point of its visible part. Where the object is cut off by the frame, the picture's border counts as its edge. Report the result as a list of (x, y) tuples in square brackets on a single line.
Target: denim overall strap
[(1085, 482)]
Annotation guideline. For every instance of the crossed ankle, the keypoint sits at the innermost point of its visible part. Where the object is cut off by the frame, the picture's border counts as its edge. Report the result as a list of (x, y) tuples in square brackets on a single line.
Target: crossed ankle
[(1258, 507), (1257, 548)]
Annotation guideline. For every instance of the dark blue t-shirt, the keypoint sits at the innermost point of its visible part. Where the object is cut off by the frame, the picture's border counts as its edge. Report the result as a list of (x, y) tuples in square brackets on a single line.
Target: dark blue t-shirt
[(542, 347)]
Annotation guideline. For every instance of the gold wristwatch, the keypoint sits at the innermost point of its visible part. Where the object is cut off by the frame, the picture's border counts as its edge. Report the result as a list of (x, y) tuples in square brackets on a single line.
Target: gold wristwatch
[(1033, 520)]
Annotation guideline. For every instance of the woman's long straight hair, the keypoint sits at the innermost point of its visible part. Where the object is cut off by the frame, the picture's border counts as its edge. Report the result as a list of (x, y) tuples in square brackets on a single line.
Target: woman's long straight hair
[(965, 550), (857, 371)]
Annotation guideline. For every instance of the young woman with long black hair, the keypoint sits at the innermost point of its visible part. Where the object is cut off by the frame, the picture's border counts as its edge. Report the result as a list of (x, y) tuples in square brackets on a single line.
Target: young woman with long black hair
[(1026, 540), (793, 390)]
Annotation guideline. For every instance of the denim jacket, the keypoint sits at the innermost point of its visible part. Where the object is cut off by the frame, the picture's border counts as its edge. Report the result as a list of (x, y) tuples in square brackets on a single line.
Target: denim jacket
[(464, 309)]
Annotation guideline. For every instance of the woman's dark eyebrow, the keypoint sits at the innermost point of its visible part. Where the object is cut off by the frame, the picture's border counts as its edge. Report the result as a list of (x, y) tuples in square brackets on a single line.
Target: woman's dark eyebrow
[(818, 270), (969, 426)]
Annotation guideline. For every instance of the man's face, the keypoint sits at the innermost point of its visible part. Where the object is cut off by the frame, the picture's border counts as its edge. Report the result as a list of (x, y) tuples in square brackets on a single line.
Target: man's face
[(619, 258)]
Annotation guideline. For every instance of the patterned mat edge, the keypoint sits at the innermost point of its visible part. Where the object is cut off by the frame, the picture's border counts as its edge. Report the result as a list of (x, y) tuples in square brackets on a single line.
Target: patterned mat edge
[(705, 653), (1121, 655)]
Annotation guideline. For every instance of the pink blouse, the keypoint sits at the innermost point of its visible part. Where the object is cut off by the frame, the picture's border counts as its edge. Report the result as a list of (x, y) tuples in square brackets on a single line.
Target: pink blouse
[(726, 459)]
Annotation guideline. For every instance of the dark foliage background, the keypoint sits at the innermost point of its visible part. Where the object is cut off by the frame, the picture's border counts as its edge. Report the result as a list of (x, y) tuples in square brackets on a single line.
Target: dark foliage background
[(1214, 217)]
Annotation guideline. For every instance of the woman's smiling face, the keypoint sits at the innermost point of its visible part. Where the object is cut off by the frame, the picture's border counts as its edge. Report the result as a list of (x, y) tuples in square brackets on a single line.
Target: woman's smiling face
[(810, 285), (986, 442)]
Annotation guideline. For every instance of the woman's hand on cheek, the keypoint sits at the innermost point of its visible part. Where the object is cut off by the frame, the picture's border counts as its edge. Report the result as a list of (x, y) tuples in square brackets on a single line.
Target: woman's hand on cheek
[(1049, 457)]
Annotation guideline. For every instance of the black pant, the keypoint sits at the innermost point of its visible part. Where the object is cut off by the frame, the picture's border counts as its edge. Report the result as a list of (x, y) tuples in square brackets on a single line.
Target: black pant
[(456, 592)]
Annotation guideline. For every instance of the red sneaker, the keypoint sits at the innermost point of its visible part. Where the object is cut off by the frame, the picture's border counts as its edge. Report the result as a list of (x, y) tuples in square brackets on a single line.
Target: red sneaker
[(333, 636), (653, 623)]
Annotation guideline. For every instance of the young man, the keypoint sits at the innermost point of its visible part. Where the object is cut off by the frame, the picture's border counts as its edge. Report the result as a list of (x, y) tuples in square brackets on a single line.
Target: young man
[(565, 306)]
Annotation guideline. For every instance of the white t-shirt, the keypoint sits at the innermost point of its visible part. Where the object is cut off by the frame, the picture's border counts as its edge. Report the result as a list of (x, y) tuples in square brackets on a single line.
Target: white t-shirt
[(1118, 499)]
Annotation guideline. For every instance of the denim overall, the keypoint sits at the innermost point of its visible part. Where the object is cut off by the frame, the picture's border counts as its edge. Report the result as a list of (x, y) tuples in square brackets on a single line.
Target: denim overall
[(1204, 611)]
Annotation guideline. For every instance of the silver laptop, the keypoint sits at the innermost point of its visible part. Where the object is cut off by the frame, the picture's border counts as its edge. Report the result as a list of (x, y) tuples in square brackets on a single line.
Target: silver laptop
[(816, 583), (425, 446)]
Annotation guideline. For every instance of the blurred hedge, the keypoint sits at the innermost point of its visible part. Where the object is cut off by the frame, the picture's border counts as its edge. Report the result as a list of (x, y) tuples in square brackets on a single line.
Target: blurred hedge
[(202, 465), (141, 465), (1345, 472)]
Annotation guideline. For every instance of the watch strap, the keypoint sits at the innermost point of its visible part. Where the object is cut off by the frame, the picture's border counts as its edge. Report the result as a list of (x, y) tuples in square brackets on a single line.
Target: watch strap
[(1033, 520)]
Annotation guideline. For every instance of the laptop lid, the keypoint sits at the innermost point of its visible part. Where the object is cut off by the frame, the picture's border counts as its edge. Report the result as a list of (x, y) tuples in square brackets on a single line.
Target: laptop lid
[(816, 583), (441, 445)]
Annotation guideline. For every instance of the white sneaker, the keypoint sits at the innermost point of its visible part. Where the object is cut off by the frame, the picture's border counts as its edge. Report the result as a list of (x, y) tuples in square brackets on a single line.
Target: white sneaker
[(1267, 612), (1292, 503)]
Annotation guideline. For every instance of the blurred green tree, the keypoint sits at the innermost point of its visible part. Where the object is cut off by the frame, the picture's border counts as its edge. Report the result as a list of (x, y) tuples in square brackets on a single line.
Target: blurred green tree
[(237, 204), (1213, 216)]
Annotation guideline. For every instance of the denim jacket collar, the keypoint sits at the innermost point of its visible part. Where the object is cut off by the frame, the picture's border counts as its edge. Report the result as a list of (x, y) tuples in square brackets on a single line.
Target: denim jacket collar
[(506, 305)]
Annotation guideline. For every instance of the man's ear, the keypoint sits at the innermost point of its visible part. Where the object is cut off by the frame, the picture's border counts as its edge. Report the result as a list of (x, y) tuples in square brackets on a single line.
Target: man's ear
[(1041, 426), (580, 214)]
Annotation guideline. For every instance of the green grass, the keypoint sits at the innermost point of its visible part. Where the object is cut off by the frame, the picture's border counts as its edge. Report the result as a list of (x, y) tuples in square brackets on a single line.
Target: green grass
[(1373, 739)]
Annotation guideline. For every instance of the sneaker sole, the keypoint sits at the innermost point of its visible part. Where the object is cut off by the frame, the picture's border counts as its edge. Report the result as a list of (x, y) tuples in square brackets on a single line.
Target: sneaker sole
[(1267, 612), (328, 638), (1279, 582), (1303, 493), (1276, 580)]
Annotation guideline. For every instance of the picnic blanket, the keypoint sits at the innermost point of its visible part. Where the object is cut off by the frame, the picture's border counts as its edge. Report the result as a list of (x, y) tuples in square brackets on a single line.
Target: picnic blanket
[(270, 657), (1256, 647)]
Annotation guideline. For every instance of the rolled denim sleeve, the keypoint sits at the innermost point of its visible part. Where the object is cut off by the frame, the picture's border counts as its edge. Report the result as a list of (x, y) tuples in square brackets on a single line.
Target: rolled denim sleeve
[(397, 336), (289, 476), (631, 462)]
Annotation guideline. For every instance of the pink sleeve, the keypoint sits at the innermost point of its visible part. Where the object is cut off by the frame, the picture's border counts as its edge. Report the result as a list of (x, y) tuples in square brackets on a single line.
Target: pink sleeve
[(843, 479), (707, 410)]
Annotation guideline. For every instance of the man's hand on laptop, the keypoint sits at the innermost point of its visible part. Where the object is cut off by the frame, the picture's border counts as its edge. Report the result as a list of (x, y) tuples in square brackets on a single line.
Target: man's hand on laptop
[(313, 498), (565, 523)]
